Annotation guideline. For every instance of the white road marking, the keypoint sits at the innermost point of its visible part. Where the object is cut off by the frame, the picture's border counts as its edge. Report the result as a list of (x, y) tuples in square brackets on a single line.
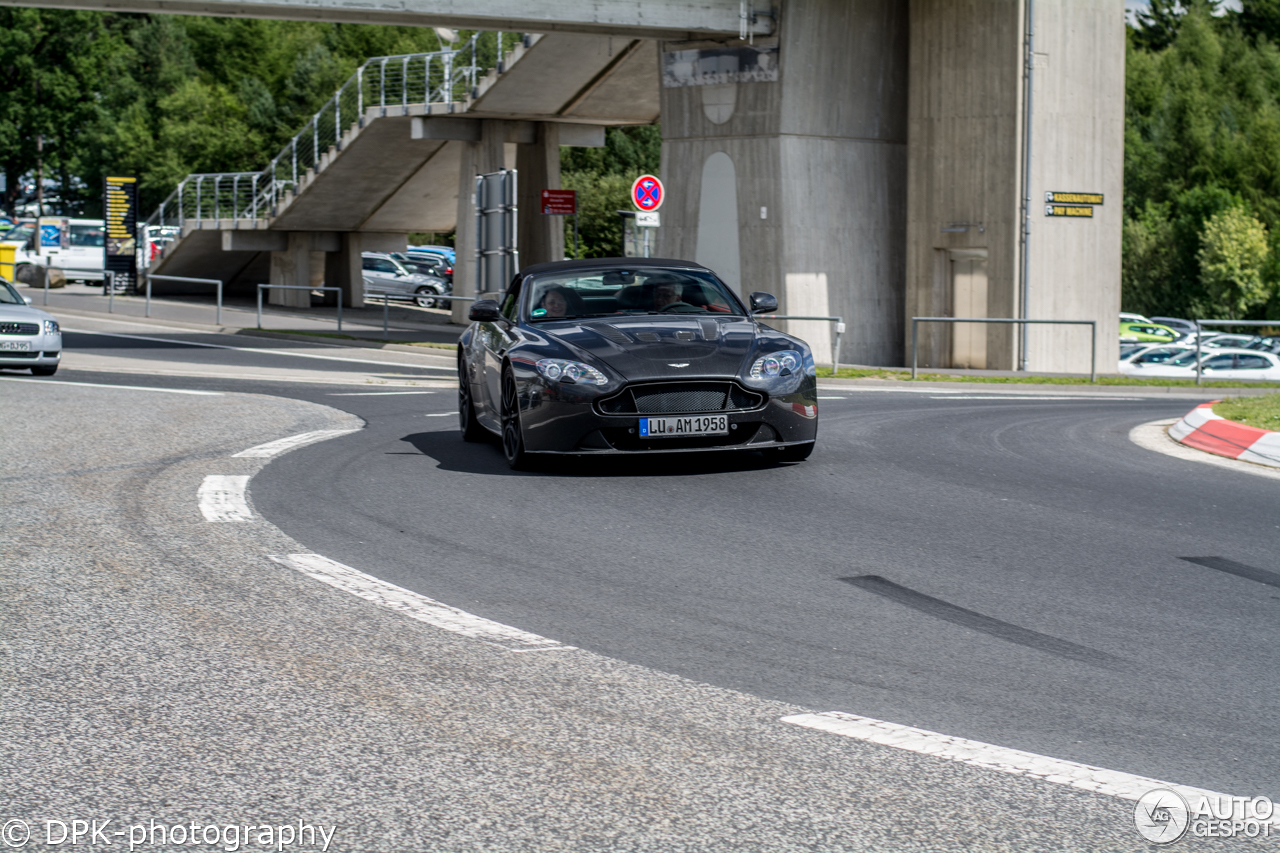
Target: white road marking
[(317, 377), (1154, 435), (977, 754), (275, 351), (282, 445), (222, 498), (415, 606), (103, 385), (832, 398), (442, 415), (376, 393), (875, 390), (1026, 397)]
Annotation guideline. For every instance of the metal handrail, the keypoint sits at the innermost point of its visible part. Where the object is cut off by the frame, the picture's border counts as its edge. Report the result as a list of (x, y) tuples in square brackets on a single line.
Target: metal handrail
[(387, 82), (213, 281), (298, 287), (835, 347), (1093, 337), (1200, 331)]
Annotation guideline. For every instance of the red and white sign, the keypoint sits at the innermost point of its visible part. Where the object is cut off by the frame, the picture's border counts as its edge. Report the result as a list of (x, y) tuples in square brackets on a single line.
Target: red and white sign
[(1204, 430), (647, 193), (560, 202)]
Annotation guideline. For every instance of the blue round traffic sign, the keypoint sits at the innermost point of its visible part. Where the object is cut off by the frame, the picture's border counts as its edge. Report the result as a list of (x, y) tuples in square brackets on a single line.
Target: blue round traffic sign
[(647, 193)]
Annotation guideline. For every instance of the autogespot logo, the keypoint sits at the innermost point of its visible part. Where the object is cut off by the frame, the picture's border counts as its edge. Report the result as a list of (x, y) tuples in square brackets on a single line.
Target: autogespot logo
[(1162, 816)]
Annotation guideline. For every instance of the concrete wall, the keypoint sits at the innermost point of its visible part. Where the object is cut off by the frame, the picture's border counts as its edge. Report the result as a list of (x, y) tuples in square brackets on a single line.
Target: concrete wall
[(964, 175), (819, 162)]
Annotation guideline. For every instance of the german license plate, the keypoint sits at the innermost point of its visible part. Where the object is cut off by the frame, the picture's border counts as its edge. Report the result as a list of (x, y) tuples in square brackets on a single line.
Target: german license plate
[(21, 346), (683, 427)]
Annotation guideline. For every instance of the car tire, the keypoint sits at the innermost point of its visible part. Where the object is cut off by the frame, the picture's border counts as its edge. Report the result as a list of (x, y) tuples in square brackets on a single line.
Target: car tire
[(791, 453), (424, 297), (44, 371), (512, 434), (471, 429)]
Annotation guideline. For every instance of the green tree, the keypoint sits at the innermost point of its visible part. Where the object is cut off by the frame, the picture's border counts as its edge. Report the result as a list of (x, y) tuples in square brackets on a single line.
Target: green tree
[(603, 178), (1233, 252)]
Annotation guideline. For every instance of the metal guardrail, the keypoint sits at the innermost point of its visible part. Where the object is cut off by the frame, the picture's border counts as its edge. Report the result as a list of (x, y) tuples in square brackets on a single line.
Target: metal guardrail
[(444, 77), (217, 283), (1200, 333), (835, 347), (262, 287), (1093, 337)]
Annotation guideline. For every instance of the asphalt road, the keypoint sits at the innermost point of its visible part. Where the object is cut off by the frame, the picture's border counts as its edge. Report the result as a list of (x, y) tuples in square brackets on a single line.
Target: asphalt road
[(1008, 570)]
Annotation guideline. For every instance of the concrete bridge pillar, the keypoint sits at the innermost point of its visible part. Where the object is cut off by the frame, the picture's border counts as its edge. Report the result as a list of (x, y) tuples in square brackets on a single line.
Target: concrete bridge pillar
[(785, 166), (489, 154), (540, 238), (342, 267), (298, 265)]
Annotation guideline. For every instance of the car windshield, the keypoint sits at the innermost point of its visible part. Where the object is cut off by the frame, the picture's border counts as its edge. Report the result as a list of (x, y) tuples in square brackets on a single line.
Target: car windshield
[(619, 291), (9, 296), (1187, 359), (87, 235), (1159, 356), (18, 233)]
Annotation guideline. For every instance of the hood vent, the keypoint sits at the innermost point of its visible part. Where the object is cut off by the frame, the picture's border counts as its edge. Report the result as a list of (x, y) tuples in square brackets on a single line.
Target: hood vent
[(710, 329), (684, 335), (613, 333), (647, 337)]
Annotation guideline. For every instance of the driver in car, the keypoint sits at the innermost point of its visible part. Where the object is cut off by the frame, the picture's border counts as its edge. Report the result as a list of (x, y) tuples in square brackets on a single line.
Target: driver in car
[(667, 293)]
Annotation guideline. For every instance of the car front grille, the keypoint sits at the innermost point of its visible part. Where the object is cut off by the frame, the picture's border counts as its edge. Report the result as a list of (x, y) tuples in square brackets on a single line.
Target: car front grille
[(680, 398), (19, 328), (20, 354)]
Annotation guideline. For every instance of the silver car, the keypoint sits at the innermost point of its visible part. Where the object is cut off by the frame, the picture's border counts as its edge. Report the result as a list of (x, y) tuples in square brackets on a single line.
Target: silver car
[(29, 337), (386, 276)]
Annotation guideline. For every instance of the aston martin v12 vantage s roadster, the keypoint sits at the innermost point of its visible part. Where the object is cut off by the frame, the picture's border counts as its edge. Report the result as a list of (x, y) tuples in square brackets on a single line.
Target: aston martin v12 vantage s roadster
[(630, 356)]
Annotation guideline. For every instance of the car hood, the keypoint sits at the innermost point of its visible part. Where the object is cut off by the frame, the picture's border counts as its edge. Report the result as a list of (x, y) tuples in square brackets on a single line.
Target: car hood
[(22, 314), (656, 347)]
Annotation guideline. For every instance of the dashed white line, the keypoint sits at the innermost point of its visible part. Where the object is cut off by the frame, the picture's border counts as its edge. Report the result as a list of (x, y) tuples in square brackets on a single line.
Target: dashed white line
[(281, 445), (53, 382), (376, 393), (977, 754), (221, 498), (442, 415), (415, 606)]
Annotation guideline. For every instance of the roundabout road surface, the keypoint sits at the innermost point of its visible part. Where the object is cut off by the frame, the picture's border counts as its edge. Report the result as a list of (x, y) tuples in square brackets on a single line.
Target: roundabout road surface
[(1000, 567), (1009, 570)]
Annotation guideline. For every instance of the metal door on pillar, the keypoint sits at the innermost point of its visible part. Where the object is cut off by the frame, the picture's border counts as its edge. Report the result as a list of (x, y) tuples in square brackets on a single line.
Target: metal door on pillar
[(968, 270)]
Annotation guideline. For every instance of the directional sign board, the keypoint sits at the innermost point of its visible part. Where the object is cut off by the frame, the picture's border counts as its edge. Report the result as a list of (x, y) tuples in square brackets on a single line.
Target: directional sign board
[(559, 202), (647, 193)]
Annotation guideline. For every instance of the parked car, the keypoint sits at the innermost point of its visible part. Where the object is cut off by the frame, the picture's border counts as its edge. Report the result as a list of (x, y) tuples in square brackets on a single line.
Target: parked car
[(1186, 327), (29, 338), (1142, 362), (82, 260), (1241, 364), (386, 276), (1127, 317), (1176, 365), (446, 252), (429, 264), (1134, 331)]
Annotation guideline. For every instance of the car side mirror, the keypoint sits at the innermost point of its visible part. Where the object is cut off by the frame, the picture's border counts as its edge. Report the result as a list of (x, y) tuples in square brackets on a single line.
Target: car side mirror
[(763, 303), (484, 311)]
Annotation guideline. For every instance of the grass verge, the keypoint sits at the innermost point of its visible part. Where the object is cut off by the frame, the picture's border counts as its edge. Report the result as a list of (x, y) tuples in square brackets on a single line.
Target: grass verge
[(900, 375), (1262, 412)]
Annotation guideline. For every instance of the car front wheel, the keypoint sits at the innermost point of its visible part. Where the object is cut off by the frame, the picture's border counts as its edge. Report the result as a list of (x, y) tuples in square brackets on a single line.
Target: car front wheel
[(425, 297), (512, 435)]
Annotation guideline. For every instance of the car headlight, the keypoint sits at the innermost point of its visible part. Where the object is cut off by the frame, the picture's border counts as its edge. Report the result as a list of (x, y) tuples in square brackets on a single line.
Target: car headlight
[(782, 363), (560, 370), (51, 327)]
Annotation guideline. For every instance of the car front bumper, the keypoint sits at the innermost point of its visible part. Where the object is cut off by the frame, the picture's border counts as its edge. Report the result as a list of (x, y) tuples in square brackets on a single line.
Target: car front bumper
[(46, 351)]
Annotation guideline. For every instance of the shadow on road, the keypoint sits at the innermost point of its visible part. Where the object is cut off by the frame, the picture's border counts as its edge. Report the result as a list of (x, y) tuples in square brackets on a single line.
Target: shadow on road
[(448, 449)]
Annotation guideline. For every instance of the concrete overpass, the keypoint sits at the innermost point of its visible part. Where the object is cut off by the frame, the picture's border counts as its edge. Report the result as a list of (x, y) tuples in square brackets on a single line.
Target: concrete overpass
[(868, 158)]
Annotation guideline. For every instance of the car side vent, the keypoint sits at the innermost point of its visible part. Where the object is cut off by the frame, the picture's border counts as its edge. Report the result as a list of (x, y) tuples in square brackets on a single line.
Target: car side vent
[(647, 337), (684, 335), (710, 329), (613, 333)]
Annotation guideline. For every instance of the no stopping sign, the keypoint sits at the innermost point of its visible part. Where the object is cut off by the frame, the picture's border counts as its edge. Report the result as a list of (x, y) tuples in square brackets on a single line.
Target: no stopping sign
[(647, 193)]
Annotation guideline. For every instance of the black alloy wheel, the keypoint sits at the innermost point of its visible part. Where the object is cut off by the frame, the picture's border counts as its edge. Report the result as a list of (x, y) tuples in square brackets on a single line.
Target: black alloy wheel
[(471, 429), (424, 297), (512, 437), (791, 453)]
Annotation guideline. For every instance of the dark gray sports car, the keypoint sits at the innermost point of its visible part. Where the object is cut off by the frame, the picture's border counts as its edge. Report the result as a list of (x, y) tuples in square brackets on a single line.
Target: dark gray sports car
[(632, 355)]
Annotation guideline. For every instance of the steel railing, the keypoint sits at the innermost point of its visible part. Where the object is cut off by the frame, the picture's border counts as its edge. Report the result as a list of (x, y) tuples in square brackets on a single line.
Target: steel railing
[(388, 84), (1200, 334), (1093, 336), (835, 346)]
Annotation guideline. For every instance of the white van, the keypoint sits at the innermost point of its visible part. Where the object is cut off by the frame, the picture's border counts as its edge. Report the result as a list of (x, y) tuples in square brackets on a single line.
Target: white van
[(82, 260)]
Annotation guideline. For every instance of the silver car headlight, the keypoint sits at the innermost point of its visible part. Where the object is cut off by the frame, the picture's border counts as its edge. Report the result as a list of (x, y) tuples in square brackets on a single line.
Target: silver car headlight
[(561, 370), (775, 364), (51, 327)]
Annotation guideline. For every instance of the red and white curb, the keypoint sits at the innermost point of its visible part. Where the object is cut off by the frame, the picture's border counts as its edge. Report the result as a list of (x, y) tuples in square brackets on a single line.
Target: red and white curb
[(1202, 429)]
